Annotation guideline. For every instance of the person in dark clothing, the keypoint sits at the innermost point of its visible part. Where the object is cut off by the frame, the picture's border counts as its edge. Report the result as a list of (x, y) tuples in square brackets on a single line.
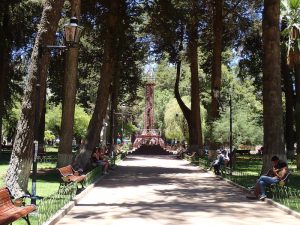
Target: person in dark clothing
[(218, 162), (275, 175)]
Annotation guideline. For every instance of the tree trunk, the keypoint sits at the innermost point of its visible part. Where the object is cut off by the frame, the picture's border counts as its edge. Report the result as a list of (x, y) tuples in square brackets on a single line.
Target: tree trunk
[(272, 95), (289, 106), (195, 119), (217, 57), (297, 113), (65, 155), (185, 110), (21, 159), (107, 71), (42, 126), (4, 63), (216, 66), (115, 97)]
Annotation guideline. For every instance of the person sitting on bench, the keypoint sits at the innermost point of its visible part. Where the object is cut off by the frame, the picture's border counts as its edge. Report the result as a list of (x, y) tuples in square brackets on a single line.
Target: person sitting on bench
[(218, 162), (98, 160), (275, 175)]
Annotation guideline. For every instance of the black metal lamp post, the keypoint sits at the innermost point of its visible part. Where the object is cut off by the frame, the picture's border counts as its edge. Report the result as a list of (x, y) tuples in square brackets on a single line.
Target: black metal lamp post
[(230, 128), (216, 93), (72, 34)]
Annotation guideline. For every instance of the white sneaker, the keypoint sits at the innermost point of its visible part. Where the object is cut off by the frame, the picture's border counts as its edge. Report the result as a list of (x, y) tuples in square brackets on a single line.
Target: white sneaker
[(105, 173), (262, 197)]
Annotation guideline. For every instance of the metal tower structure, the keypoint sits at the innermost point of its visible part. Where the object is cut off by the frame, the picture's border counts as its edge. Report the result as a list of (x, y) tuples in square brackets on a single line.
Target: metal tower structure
[(149, 135), (149, 104)]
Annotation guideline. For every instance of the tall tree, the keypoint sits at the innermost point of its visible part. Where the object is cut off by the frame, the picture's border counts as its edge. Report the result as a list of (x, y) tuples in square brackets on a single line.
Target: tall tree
[(289, 94), (291, 10), (21, 159), (173, 26), (196, 141), (272, 97), (217, 56), (65, 155), (107, 70), (4, 59)]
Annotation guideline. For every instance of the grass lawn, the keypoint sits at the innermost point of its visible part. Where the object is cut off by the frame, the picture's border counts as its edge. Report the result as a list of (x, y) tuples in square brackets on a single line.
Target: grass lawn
[(47, 179), (249, 167)]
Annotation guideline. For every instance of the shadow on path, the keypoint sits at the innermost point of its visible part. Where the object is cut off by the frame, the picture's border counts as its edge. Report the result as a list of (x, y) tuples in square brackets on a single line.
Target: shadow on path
[(160, 190)]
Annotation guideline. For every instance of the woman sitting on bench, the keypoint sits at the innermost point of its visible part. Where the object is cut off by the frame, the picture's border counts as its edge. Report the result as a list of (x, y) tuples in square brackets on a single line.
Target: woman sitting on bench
[(98, 159)]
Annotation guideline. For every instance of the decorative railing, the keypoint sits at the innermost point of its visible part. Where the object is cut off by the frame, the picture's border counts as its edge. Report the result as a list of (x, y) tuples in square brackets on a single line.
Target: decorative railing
[(242, 175), (48, 206), (51, 204)]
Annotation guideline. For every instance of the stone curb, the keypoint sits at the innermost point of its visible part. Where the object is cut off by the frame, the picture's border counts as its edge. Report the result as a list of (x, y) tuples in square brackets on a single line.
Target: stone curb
[(283, 208), (63, 211), (267, 201)]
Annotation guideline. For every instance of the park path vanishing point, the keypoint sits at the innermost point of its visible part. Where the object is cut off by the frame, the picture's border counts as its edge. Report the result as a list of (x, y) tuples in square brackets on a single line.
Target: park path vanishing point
[(160, 190)]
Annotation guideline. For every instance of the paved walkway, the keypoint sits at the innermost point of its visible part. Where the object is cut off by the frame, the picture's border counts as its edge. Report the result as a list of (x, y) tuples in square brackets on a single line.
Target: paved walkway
[(159, 190)]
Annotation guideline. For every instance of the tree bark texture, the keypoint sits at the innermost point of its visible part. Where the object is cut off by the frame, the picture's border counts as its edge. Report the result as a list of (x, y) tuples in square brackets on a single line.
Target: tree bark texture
[(217, 57), (195, 119), (272, 95), (289, 106), (65, 156), (114, 99), (185, 110), (42, 125), (21, 159), (297, 113), (107, 71)]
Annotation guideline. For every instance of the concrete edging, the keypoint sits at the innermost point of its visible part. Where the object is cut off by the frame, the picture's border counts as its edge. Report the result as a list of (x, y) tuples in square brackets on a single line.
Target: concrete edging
[(63, 211), (267, 201)]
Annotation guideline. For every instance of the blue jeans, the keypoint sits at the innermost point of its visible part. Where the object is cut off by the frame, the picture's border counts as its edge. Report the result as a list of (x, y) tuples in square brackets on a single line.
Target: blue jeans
[(263, 181)]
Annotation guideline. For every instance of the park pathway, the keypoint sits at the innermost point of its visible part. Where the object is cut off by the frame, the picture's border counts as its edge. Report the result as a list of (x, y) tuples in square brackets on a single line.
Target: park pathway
[(160, 190)]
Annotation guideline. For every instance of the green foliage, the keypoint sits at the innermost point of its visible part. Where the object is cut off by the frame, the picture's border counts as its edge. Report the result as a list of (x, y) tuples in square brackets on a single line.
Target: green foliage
[(11, 120), (81, 120), (175, 124), (53, 119), (165, 79), (291, 15), (244, 125), (246, 113), (49, 136)]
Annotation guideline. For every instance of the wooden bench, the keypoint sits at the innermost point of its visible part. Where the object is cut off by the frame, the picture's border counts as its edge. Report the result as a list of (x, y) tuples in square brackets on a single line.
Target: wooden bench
[(69, 175), (281, 185), (243, 151), (10, 212)]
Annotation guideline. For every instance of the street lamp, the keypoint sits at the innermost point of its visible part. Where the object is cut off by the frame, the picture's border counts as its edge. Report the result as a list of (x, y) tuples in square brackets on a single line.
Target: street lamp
[(216, 94), (72, 34)]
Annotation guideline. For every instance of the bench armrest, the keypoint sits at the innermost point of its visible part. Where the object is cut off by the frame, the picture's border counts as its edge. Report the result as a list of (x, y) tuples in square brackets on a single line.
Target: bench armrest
[(65, 179)]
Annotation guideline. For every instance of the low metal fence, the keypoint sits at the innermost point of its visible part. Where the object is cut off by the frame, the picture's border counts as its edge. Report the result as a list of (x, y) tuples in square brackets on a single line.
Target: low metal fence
[(48, 206), (245, 172), (51, 204)]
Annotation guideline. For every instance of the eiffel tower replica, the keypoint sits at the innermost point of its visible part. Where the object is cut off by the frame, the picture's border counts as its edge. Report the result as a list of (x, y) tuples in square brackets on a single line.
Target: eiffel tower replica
[(149, 136)]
